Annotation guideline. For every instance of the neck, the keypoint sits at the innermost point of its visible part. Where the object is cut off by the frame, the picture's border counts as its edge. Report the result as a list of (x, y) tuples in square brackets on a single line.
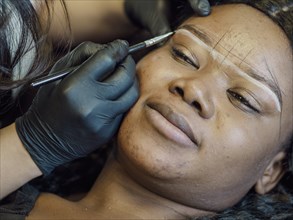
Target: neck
[(116, 195)]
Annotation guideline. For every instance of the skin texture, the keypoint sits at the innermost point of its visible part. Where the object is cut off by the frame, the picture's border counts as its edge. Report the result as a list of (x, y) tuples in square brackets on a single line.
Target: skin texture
[(235, 143), (157, 172)]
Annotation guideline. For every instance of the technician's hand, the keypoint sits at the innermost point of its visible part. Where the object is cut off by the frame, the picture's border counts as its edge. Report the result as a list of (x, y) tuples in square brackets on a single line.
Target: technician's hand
[(156, 15), (75, 116)]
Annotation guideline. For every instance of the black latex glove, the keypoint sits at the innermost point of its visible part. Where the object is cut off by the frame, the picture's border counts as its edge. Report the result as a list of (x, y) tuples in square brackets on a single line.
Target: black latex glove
[(156, 15), (73, 117)]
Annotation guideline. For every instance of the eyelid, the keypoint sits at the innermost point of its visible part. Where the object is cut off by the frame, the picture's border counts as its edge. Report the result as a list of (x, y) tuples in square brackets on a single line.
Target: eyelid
[(253, 104), (266, 99), (186, 52)]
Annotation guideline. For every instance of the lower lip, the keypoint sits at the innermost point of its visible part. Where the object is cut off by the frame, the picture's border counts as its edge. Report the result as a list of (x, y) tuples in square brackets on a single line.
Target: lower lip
[(168, 129)]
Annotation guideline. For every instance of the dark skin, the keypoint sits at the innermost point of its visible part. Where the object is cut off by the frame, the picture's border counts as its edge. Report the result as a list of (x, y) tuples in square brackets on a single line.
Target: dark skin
[(160, 171)]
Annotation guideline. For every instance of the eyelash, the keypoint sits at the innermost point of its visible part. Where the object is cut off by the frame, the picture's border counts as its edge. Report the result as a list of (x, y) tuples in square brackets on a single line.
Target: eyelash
[(242, 100), (232, 95), (178, 54)]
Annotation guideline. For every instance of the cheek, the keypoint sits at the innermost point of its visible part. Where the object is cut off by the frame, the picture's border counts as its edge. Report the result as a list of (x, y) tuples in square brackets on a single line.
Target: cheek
[(230, 167), (245, 153), (149, 64), (154, 69), (127, 142)]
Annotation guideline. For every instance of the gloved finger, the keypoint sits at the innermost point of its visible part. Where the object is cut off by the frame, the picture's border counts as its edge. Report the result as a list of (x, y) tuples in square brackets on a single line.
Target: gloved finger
[(45, 92), (120, 81), (77, 56), (111, 127), (112, 108), (81, 53), (200, 7), (125, 101), (103, 62)]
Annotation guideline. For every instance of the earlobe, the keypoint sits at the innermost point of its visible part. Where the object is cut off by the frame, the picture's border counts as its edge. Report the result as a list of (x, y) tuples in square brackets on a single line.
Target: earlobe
[(272, 174)]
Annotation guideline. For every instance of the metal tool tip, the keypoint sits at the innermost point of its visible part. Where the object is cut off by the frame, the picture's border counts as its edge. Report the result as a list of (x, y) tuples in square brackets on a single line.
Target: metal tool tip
[(158, 39)]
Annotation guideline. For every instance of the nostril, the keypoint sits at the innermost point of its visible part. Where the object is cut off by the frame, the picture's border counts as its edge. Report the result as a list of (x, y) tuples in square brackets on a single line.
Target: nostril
[(179, 91), (196, 105)]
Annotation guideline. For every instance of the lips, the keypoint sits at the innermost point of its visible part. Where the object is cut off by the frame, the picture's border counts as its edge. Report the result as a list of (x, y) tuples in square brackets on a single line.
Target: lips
[(175, 119)]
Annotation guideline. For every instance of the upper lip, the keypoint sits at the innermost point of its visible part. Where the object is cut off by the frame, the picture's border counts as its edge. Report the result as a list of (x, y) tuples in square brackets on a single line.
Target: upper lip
[(175, 119)]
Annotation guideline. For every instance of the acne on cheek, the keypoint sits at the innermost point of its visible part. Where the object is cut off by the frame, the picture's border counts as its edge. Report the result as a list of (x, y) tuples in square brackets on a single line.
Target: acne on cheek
[(145, 74), (156, 58), (150, 59), (151, 64)]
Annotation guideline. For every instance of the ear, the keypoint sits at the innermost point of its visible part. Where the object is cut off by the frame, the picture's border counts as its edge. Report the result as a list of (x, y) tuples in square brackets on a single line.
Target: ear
[(272, 174)]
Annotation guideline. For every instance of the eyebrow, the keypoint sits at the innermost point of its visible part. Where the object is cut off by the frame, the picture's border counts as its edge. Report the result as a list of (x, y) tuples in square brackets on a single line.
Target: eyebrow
[(272, 84), (198, 33)]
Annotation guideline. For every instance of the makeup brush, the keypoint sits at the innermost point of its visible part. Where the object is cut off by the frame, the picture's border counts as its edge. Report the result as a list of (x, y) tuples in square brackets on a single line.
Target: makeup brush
[(59, 75)]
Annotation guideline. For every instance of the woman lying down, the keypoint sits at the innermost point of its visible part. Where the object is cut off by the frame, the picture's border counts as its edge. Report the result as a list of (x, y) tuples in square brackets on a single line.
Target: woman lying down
[(213, 122)]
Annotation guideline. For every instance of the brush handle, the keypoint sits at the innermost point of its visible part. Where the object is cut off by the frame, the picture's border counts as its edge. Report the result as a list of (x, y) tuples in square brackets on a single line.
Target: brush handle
[(137, 47), (59, 75), (51, 78)]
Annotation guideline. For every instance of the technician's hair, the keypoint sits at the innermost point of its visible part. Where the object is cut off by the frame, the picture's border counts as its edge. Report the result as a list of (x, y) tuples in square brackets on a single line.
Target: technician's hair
[(278, 203), (30, 30)]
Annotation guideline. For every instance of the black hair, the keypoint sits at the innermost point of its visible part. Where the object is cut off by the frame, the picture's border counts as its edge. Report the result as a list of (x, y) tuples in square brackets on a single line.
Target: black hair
[(30, 35), (277, 204)]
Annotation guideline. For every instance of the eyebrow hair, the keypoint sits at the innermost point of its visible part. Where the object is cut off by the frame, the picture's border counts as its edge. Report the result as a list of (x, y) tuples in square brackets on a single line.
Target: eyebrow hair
[(272, 84), (198, 33)]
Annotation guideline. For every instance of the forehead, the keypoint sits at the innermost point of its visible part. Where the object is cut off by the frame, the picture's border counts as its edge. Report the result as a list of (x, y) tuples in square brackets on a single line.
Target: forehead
[(244, 30)]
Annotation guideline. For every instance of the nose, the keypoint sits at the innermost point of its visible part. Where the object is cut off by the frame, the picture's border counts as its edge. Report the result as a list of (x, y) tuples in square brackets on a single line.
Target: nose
[(196, 93)]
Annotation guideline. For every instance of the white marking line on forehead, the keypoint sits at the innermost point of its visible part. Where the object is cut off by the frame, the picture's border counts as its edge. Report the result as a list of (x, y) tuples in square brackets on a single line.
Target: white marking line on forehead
[(217, 56)]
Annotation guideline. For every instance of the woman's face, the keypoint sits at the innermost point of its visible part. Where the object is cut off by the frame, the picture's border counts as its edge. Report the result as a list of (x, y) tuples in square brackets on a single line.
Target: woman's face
[(215, 104)]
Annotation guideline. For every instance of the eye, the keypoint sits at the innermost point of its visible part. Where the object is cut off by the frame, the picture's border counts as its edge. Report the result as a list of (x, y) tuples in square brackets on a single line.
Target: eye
[(179, 55), (241, 102)]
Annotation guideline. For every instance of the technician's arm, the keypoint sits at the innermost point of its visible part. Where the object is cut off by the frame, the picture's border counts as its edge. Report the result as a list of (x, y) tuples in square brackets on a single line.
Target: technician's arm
[(105, 20), (96, 20), (17, 166)]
